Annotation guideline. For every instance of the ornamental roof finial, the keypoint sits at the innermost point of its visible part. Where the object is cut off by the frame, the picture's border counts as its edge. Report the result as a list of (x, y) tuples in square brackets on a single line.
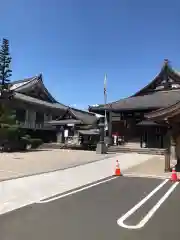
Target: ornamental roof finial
[(166, 61)]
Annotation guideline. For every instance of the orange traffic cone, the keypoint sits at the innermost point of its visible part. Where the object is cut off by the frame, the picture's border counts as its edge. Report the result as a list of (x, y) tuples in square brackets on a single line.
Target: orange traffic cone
[(174, 177), (117, 171)]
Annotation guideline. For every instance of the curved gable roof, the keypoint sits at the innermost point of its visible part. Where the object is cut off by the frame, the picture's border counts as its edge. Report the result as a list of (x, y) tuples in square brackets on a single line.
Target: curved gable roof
[(149, 96), (84, 117), (164, 113), (16, 85), (155, 100), (32, 100), (166, 69), (23, 86)]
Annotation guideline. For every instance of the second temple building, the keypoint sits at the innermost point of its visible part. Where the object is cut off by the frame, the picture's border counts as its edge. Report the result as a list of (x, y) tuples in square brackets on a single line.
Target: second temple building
[(127, 117)]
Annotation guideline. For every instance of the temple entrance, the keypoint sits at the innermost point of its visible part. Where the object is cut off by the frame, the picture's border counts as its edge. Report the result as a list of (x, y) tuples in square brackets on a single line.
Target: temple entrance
[(153, 135), (127, 129)]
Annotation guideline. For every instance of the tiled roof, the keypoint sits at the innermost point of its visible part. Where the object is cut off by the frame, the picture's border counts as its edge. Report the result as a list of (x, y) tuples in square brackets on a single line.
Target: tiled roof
[(166, 112), (155, 100), (166, 72), (17, 85), (89, 132), (79, 117), (64, 122), (23, 86), (156, 94), (147, 123), (32, 100), (23, 80), (85, 117)]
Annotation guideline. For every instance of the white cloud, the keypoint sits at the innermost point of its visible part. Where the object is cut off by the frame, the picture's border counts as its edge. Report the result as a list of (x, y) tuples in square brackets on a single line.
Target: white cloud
[(79, 106)]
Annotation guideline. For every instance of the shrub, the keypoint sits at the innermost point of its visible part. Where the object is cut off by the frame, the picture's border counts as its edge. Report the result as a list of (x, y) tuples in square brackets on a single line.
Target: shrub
[(35, 142), (14, 145), (8, 134), (11, 139)]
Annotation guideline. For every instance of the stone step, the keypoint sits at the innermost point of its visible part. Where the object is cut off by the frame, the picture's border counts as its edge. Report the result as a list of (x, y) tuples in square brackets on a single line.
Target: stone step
[(65, 146), (133, 145), (118, 149), (156, 151)]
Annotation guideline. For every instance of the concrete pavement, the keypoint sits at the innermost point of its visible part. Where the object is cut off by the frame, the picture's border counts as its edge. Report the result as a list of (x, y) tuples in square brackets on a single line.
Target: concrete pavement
[(93, 214), (23, 191), (19, 164), (154, 167)]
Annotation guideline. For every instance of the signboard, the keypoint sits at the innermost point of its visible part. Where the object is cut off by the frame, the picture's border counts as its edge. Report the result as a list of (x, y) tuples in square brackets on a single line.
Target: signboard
[(66, 133)]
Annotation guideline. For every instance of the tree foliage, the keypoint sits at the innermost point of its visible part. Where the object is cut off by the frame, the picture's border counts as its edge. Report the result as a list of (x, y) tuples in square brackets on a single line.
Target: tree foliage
[(7, 116), (5, 61)]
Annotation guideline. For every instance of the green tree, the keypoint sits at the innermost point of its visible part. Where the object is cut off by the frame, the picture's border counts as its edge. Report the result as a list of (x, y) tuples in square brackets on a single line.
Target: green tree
[(5, 61), (7, 116)]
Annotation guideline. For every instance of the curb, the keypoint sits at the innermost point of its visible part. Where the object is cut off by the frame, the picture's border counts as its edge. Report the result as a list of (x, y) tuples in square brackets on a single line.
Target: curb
[(145, 175)]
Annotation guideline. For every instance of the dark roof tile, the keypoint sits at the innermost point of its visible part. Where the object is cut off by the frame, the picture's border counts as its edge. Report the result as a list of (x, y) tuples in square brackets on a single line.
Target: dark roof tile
[(23, 86), (149, 97), (155, 100), (86, 117), (32, 100)]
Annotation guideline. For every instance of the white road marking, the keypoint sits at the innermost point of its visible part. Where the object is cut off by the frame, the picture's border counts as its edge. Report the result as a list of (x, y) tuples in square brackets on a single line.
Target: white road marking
[(76, 191), (141, 224)]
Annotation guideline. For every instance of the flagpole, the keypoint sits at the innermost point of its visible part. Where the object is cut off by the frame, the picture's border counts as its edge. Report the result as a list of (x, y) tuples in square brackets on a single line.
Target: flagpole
[(105, 102)]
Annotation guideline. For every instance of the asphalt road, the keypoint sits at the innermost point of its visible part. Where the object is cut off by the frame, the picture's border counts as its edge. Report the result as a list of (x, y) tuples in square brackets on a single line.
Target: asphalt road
[(92, 214)]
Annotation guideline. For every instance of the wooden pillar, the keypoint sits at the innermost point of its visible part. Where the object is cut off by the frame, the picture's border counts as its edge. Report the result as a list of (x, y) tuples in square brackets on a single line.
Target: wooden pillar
[(176, 137), (60, 134), (30, 118), (168, 152), (167, 161), (27, 115), (110, 127), (27, 118)]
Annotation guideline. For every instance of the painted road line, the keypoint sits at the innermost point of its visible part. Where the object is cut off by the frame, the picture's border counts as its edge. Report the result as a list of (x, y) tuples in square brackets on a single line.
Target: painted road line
[(149, 215), (76, 191)]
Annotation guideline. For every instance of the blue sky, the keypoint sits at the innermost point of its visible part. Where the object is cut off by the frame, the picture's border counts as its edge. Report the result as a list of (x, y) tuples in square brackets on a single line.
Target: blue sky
[(75, 42)]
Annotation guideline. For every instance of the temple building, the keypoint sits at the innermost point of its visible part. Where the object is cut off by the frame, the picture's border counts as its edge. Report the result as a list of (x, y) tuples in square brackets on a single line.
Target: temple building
[(35, 108), (127, 117), (171, 117), (79, 124)]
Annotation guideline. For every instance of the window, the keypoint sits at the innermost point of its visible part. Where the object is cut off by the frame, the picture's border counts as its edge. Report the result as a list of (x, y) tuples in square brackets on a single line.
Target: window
[(39, 117), (21, 115)]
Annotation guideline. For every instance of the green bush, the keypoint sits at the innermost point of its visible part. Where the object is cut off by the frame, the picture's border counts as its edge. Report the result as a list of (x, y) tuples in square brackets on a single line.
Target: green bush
[(35, 142), (13, 139), (9, 133)]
